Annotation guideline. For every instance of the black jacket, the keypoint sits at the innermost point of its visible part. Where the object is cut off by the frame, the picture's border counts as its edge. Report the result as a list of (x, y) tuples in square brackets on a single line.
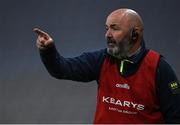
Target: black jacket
[(87, 66)]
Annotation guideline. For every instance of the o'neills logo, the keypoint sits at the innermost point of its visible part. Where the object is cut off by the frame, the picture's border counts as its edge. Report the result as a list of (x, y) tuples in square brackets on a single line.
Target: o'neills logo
[(124, 86), (129, 104)]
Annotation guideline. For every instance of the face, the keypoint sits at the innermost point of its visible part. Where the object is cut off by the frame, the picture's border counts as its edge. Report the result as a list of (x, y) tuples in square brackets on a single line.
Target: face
[(118, 37)]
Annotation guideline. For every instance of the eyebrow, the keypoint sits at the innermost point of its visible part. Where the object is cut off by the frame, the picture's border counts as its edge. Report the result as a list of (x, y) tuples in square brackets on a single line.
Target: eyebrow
[(112, 25)]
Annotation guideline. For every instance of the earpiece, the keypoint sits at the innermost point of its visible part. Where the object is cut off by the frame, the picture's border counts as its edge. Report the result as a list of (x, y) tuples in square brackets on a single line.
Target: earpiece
[(133, 34)]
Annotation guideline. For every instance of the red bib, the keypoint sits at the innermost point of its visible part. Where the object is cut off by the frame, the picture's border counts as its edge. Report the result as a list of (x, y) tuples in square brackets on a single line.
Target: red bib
[(128, 99)]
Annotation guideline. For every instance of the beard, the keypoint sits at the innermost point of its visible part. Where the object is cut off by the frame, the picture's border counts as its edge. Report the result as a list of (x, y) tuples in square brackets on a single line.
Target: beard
[(119, 49)]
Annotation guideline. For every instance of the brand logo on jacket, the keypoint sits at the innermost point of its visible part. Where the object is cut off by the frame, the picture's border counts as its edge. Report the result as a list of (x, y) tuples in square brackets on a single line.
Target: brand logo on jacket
[(123, 86), (174, 87), (123, 103)]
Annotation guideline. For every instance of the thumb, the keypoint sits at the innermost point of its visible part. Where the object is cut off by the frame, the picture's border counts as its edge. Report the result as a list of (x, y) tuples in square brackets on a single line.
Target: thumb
[(41, 33)]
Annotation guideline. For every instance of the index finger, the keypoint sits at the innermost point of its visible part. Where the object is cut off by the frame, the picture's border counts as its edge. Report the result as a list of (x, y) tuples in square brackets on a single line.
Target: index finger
[(40, 32)]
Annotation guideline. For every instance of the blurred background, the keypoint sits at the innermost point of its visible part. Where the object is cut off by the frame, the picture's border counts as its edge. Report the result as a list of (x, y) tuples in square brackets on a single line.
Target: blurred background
[(28, 94)]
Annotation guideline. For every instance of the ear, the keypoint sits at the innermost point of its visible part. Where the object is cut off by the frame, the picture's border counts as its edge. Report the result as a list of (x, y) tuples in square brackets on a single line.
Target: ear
[(134, 34)]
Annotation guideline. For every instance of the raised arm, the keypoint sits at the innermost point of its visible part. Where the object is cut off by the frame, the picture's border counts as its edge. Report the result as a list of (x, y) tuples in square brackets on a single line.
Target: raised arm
[(85, 67)]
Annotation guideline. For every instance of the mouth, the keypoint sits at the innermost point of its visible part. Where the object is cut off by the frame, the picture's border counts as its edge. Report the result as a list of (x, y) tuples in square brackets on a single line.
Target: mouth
[(111, 43)]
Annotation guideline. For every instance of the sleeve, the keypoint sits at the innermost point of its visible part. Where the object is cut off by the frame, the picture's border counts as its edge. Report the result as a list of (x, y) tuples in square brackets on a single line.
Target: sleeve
[(168, 92), (83, 68)]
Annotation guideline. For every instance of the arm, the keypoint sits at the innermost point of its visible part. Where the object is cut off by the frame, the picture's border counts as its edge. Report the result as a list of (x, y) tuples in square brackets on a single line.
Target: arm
[(168, 92), (85, 67)]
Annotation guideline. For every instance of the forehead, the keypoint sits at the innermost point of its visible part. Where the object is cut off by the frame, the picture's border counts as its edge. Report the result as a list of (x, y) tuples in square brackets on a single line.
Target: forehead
[(117, 19)]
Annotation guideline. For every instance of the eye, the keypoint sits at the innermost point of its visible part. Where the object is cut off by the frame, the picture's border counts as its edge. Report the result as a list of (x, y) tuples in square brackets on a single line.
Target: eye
[(106, 28), (115, 28)]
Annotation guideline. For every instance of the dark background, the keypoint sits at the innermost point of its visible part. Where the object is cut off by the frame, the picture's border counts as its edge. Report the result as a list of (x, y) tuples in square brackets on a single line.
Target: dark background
[(28, 94)]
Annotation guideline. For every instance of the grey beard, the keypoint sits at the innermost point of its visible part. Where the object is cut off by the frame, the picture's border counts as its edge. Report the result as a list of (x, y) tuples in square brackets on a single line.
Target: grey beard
[(121, 50)]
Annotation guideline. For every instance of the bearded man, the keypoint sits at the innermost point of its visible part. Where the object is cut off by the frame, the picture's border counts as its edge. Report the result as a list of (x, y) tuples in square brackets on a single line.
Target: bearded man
[(135, 84)]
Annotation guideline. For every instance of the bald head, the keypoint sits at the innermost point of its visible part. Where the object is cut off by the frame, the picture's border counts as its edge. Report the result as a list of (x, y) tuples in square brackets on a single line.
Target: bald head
[(127, 17)]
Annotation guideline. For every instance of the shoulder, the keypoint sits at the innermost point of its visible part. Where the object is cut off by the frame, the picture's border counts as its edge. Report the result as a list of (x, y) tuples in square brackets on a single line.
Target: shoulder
[(166, 76), (95, 53), (164, 67), (94, 56)]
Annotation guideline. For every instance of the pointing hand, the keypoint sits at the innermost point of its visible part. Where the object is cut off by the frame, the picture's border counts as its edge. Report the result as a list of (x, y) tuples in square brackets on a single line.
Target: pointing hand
[(43, 39)]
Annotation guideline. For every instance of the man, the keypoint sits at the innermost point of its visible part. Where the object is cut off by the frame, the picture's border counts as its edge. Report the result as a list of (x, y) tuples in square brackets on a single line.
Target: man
[(135, 84)]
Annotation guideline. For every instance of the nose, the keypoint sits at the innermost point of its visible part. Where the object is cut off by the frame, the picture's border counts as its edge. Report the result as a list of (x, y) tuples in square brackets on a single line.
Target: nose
[(108, 34)]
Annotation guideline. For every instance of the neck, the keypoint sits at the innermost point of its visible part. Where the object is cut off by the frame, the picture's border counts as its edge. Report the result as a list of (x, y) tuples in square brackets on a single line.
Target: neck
[(134, 53)]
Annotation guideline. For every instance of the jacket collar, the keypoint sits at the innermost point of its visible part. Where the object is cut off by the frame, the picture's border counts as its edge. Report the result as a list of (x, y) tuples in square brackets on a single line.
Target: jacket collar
[(135, 58)]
